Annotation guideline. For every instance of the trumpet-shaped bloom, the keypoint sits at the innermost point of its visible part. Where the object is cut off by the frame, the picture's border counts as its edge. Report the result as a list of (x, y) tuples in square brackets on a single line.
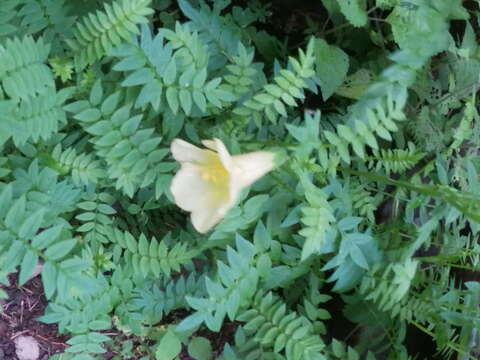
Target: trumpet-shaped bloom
[(210, 180)]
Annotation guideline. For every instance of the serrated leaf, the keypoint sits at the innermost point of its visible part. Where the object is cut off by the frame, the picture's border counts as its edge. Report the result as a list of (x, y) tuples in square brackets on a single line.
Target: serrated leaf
[(354, 11)]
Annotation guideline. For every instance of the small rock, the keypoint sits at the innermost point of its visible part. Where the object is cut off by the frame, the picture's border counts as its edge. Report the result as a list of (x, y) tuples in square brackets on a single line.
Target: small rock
[(27, 348)]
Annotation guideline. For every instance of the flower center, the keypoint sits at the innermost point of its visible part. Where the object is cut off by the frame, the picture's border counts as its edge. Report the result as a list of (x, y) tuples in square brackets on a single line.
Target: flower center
[(214, 171)]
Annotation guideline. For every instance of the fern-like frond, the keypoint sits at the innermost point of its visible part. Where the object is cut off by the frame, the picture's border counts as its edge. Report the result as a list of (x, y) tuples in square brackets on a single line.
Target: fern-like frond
[(363, 201), (43, 190), (317, 219), (191, 51), (395, 161), (97, 33), (131, 152), (374, 116), (145, 257), (382, 104), (85, 316), (25, 246), (165, 76), (272, 326), (82, 167), (242, 77), (387, 287), (62, 68), (8, 12), (221, 36), (232, 291), (95, 217), (287, 90), (33, 118), (23, 72), (247, 348), (154, 301), (49, 16)]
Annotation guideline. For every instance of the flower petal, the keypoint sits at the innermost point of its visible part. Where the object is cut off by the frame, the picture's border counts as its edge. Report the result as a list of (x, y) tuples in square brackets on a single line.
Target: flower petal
[(183, 151), (208, 204), (252, 166), (206, 218), (186, 185), (218, 146), (210, 180)]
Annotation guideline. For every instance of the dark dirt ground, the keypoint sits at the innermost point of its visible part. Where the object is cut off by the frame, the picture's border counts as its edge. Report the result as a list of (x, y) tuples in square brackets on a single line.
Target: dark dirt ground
[(20, 310), (25, 304)]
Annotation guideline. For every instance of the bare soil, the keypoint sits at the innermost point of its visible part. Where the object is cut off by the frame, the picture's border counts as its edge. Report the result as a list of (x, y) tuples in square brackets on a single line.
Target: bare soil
[(20, 311)]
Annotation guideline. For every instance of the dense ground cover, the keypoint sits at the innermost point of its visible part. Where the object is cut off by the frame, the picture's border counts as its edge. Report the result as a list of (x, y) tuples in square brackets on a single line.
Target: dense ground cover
[(239, 180)]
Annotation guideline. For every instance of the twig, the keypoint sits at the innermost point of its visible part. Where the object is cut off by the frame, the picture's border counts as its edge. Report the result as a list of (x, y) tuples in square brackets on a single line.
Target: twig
[(49, 341), (18, 334)]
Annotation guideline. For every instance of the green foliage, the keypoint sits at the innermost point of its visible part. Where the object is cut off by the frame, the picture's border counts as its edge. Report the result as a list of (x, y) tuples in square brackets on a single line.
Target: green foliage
[(83, 169), (317, 218), (130, 152), (287, 89), (175, 72), (144, 257), (396, 161), (23, 73), (51, 17), (368, 222), (236, 286), (97, 33), (354, 11), (273, 327), (331, 67)]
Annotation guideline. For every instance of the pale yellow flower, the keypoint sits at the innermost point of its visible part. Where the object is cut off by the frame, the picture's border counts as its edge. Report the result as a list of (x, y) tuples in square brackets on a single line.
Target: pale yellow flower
[(210, 180)]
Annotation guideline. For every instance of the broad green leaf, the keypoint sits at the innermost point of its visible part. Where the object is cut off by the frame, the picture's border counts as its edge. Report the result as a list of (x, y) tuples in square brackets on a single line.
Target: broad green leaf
[(356, 84), (170, 73), (89, 115), (139, 77), (31, 224), (354, 11), (199, 100), (200, 348), (60, 249), (27, 267), (185, 101), (169, 347), (172, 99), (49, 278), (16, 213), (331, 64)]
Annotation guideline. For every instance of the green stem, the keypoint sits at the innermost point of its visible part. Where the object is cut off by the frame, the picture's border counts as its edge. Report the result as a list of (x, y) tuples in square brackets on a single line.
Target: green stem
[(438, 261), (466, 203)]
